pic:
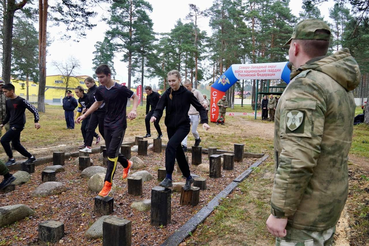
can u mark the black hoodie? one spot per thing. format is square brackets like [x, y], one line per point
[177, 107]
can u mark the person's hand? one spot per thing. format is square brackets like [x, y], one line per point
[277, 226]
[153, 119]
[1, 126]
[132, 115]
[80, 119]
[206, 126]
[37, 125]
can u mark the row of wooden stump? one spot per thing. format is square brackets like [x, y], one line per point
[117, 231]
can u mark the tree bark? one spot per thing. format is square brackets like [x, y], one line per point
[43, 5]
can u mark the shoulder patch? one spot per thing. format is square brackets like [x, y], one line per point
[294, 119]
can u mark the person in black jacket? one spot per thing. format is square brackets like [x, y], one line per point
[69, 104]
[15, 108]
[152, 100]
[264, 108]
[177, 101]
[97, 117]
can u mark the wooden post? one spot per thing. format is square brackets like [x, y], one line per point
[135, 186]
[117, 232]
[104, 205]
[102, 147]
[196, 155]
[190, 197]
[50, 231]
[82, 153]
[29, 167]
[215, 166]
[211, 151]
[160, 206]
[200, 182]
[84, 162]
[228, 161]
[142, 147]
[105, 156]
[238, 152]
[137, 139]
[126, 151]
[162, 173]
[58, 158]
[48, 175]
[157, 145]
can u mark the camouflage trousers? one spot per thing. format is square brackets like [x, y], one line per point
[307, 238]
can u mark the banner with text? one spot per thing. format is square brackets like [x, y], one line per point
[278, 70]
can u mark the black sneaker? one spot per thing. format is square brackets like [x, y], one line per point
[160, 136]
[147, 135]
[7, 182]
[166, 183]
[197, 142]
[10, 162]
[188, 184]
[30, 160]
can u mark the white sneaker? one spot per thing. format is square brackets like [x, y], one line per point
[86, 149]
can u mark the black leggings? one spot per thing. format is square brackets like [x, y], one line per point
[84, 128]
[13, 135]
[156, 123]
[97, 118]
[174, 150]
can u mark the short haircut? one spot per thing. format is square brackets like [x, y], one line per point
[103, 69]
[148, 88]
[90, 79]
[315, 48]
[175, 73]
[187, 82]
[9, 87]
[69, 91]
[80, 89]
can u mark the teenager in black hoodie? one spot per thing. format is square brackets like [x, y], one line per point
[177, 101]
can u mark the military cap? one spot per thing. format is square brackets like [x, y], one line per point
[307, 30]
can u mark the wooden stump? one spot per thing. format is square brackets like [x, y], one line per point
[50, 231]
[104, 205]
[137, 139]
[157, 145]
[135, 186]
[102, 147]
[142, 147]
[211, 151]
[200, 182]
[29, 167]
[160, 206]
[105, 157]
[228, 161]
[8, 189]
[58, 158]
[82, 153]
[126, 151]
[238, 152]
[48, 175]
[84, 162]
[117, 232]
[215, 166]
[196, 155]
[190, 197]
[162, 173]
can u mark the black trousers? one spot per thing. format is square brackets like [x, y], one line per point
[97, 118]
[174, 150]
[113, 141]
[156, 123]
[84, 128]
[264, 114]
[13, 135]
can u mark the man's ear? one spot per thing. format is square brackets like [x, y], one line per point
[296, 48]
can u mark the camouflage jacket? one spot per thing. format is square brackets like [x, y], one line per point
[2, 106]
[272, 103]
[313, 133]
[222, 106]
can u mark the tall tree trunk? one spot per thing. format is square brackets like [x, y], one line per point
[43, 5]
[142, 78]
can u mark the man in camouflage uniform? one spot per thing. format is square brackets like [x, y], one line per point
[223, 105]
[313, 134]
[272, 104]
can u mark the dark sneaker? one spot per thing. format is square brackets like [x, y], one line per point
[197, 142]
[166, 183]
[7, 182]
[30, 160]
[98, 139]
[10, 162]
[184, 148]
[147, 135]
[188, 184]
[160, 136]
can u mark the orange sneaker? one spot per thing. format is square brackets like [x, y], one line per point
[106, 189]
[127, 169]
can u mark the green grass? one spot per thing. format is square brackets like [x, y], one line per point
[360, 141]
